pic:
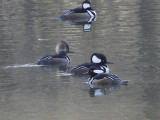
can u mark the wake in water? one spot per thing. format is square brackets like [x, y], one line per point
[23, 65]
[64, 74]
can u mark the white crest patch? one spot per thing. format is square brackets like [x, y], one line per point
[95, 59]
[86, 5]
[98, 71]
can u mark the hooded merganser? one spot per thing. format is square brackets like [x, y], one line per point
[80, 14]
[98, 76]
[62, 49]
[97, 59]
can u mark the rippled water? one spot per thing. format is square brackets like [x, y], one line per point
[127, 32]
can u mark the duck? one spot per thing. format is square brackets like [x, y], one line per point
[86, 13]
[61, 57]
[99, 77]
[96, 59]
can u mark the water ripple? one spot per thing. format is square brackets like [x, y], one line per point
[22, 65]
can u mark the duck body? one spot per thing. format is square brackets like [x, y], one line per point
[74, 14]
[98, 76]
[54, 59]
[107, 79]
[83, 69]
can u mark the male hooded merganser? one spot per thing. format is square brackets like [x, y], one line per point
[98, 76]
[97, 59]
[62, 49]
[80, 14]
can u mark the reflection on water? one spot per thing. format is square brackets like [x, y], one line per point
[86, 25]
[127, 32]
[102, 90]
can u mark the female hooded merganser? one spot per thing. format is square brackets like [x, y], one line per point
[98, 76]
[80, 14]
[97, 59]
[62, 49]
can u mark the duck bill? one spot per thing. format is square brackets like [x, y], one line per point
[70, 52]
[109, 63]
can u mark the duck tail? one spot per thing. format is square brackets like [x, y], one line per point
[124, 82]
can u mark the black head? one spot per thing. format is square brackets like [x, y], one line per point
[99, 58]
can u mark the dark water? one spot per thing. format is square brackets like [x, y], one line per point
[126, 31]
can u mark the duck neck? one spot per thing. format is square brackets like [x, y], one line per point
[62, 53]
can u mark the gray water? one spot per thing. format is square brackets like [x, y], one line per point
[126, 31]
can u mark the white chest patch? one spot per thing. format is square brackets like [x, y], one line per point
[92, 15]
[98, 71]
[68, 60]
[95, 59]
[106, 68]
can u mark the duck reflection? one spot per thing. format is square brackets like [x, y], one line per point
[97, 91]
[86, 25]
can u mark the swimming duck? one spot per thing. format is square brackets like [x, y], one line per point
[97, 59]
[62, 49]
[98, 76]
[86, 13]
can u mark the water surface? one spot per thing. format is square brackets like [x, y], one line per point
[127, 32]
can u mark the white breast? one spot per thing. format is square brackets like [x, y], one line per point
[106, 68]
